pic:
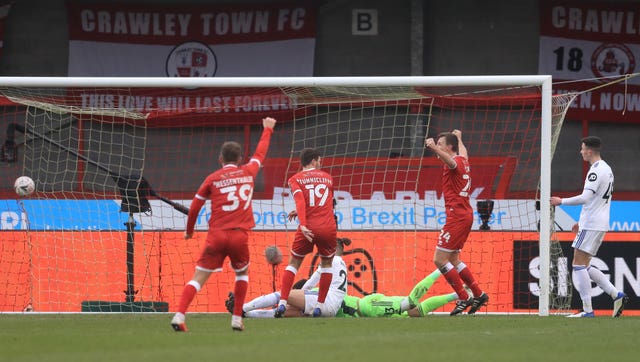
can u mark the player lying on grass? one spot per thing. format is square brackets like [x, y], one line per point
[372, 305]
[380, 305]
[301, 302]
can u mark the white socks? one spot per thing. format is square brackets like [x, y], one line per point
[263, 301]
[260, 313]
[603, 282]
[582, 283]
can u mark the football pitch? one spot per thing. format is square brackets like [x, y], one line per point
[149, 337]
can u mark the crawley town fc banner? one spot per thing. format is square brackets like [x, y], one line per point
[230, 40]
[587, 40]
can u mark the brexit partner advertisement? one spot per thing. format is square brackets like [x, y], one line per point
[426, 213]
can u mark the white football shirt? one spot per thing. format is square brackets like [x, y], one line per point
[595, 212]
[337, 289]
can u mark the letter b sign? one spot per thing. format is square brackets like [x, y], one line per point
[364, 22]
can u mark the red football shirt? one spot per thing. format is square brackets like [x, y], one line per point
[316, 187]
[456, 184]
[230, 190]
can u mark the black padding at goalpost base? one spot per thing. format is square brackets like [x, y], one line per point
[135, 307]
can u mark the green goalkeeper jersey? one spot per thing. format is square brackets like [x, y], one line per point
[372, 305]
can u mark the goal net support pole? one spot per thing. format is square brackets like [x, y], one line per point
[545, 197]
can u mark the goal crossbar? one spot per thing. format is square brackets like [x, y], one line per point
[141, 82]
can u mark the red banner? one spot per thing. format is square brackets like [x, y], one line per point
[589, 40]
[361, 177]
[182, 107]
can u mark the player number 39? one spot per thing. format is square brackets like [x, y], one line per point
[234, 195]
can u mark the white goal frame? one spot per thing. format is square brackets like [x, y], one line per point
[544, 81]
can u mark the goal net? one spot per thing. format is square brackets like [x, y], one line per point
[117, 161]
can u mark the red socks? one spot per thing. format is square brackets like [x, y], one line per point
[323, 286]
[287, 283]
[467, 277]
[453, 278]
[240, 292]
[188, 293]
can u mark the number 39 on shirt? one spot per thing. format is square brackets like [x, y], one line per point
[237, 195]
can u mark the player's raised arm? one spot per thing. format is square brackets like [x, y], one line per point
[263, 145]
[442, 154]
[462, 150]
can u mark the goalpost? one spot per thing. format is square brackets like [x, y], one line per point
[116, 162]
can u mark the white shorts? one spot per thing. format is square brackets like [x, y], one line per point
[332, 303]
[588, 241]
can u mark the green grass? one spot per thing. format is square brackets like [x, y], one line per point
[149, 337]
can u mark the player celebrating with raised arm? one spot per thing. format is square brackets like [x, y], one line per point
[312, 191]
[230, 190]
[456, 183]
[591, 228]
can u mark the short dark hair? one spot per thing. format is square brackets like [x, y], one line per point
[593, 143]
[450, 139]
[299, 284]
[307, 155]
[231, 152]
[340, 244]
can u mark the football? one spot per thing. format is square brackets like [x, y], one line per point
[273, 255]
[24, 186]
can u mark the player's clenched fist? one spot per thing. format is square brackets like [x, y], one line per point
[268, 122]
[430, 143]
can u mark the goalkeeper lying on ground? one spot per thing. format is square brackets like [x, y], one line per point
[375, 305]
[380, 305]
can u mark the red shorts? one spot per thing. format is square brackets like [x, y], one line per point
[233, 243]
[323, 239]
[455, 231]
